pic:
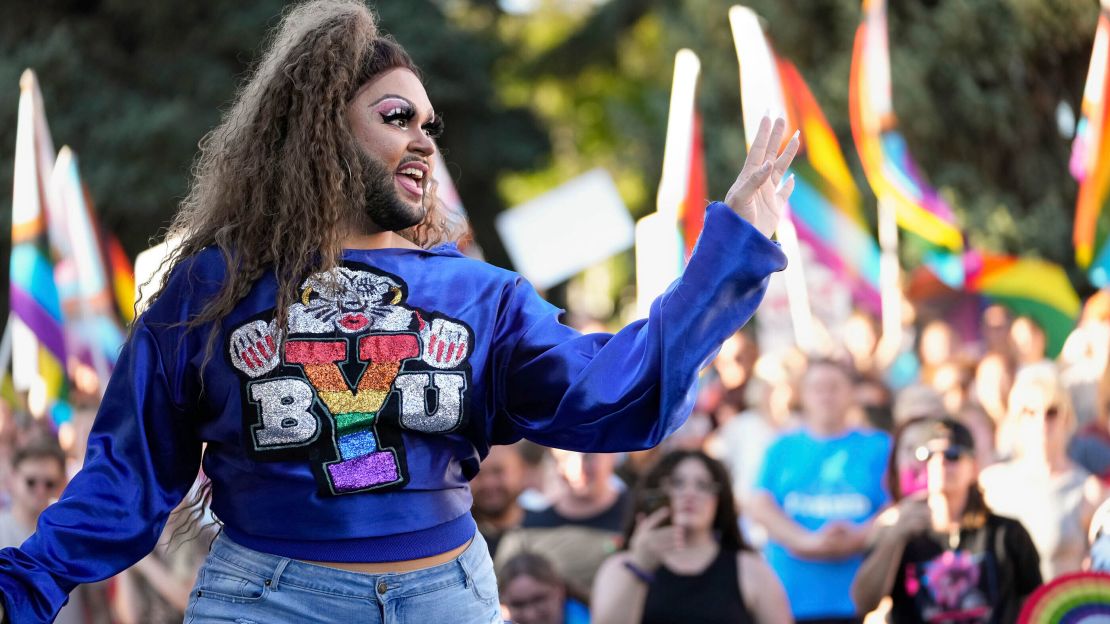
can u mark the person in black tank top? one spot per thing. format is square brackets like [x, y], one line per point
[686, 562]
[709, 597]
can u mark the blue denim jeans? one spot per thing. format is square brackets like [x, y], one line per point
[237, 585]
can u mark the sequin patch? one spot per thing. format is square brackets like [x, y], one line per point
[414, 409]
[347, 401]
[315, 351]
[375, 469]
[358, 443]
[284, 405]
[346, 423]
[388, 348]
[379, 375]
[350, 342]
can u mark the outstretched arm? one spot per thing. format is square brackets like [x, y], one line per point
[628, 391]
[143, 455]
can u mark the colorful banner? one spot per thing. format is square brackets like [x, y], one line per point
[1090, 159]
[1030, 287]
[39, 349]
[825, 207]
[692, 215]
[88, 297]
[665, 238]
[887, 163]
[122, 275]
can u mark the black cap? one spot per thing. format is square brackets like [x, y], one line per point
[957, 435]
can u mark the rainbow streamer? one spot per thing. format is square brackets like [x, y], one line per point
[87, 295]
[665, 238]
[1076, 598]
[886, 160]
[825, 207]
[39, 350]
[1030, 287]
[691, 215]
[122, 275]
[1090, 157]
[1099, 272]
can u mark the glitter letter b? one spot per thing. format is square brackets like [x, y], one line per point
[286, 420]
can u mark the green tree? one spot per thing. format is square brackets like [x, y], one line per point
[133, 85]
[976, 87]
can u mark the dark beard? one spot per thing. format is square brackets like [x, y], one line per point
[383, 206]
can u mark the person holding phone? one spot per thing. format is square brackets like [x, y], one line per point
[939, 552]
[685, 560]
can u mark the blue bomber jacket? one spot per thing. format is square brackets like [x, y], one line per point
[356, 441]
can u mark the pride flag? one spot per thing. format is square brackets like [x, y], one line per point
[1030, 287]
[825, 207]
[38, 338]
[1090, 159]
[691, 216]
[122, 275]
[665, 238]
[891, 171]
[88, 297]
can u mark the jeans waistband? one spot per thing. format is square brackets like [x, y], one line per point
[277, 571]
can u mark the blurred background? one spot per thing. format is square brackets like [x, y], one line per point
[535, 92]
[946, 303]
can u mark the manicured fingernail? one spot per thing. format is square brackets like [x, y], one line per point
[797, 134]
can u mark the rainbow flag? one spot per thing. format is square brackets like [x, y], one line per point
[1029, 287]
[666, 237]
[39, 349]
[1090, 159]
[691, 215]
[891, 171]
[1071, 598]
[825, 207]
[88, 297]
[122, 273]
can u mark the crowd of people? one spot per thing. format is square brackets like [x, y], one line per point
[807, 489]
[37, 459]
[828, 488]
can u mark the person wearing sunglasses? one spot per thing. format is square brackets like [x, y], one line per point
[1041, 486]
[940, 553]
[36, 480]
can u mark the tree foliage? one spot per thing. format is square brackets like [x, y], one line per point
[133, 85]
[531, 100]
[976, 88]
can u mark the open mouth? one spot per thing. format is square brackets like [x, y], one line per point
[410, 176]
[354, 322]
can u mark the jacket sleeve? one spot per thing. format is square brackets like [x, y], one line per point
[143, 455]
[628, 391]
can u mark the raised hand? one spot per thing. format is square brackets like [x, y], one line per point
[651, 539]
[756, 195]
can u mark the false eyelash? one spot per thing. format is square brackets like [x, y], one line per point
[434, 128]
[403, 112]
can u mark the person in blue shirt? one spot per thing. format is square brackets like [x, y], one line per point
[344, 368]
[817, 494]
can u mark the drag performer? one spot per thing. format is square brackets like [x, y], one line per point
[345, 368]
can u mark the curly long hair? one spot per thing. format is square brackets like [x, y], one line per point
[726, 523]
[278, 184]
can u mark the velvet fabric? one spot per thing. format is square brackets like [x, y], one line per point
[313, 456]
